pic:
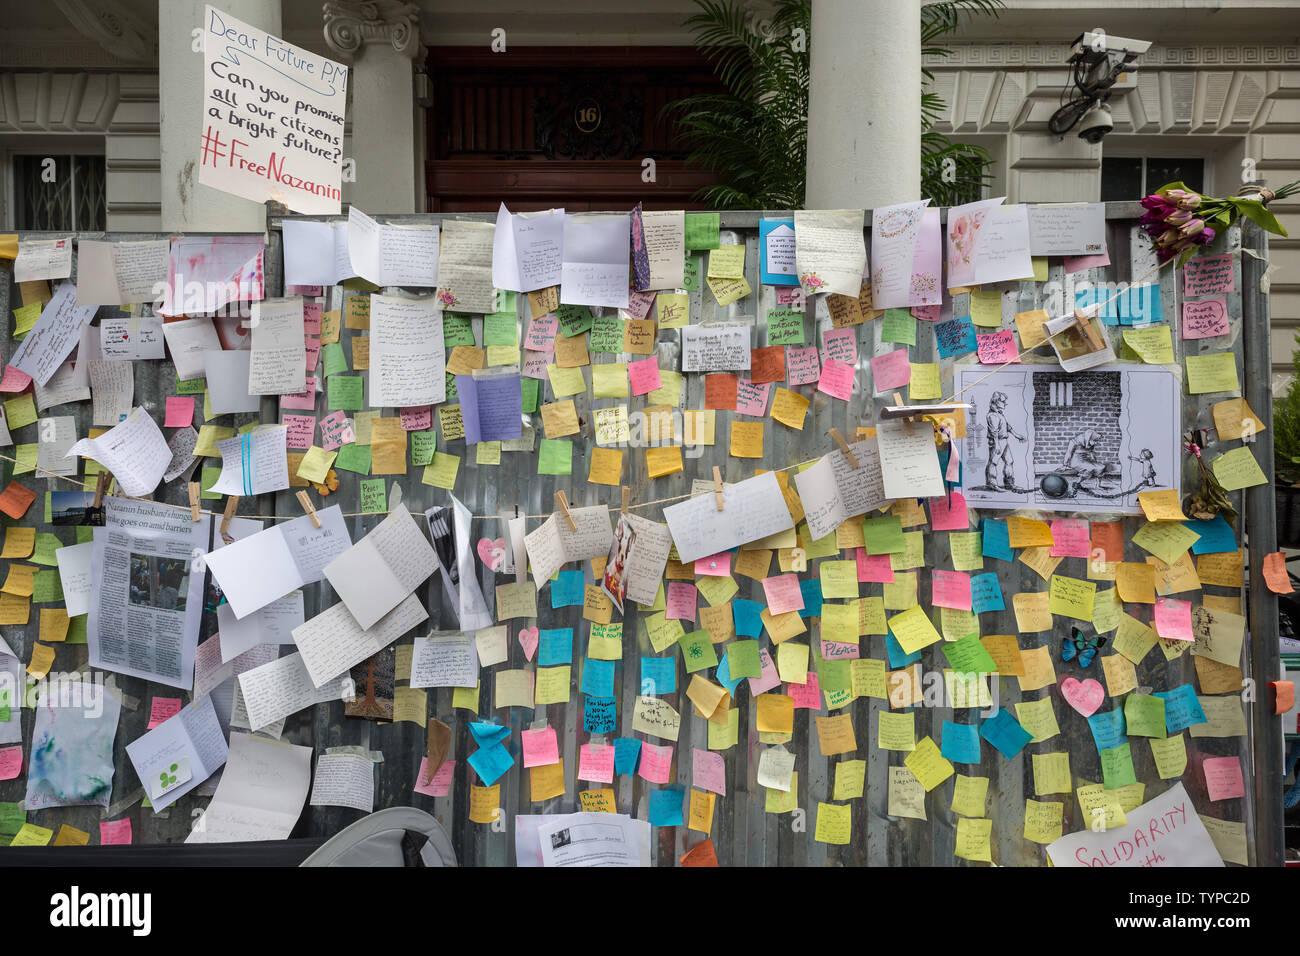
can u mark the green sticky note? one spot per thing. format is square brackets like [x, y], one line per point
[208, 413]
[833, 675]
[574, 319]
[423, 445]
[207, 479]
[607, 334]
[47, 588]
[354, 458]
[374, 496]
[531, 389]
[194, 386]
[85, 533]
[49, 508]
[702, 230]
[333, 359]
[1216, 372]
[1153, 345]
[345, 393]
[884, 535]
[1117, 767]
[968, 656]
[898, 326]
[12, 818]
[691, 273]
[697, 651]
[743, 660]
[77, 629]
[26, 458]
[507, 301]
[359, 284]
[453, 394]
[25, 318]
[785, 327]
[501, 328]
[5, 714]
[457, 330]
[1144, 715]
[555, 457]
[441, 473]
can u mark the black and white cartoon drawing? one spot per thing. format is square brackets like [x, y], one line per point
[1000, 470]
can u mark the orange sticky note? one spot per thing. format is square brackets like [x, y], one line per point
[1161, 505]
[1028, 533]
[16, 499]
[702, 854]
[1284, 695]
[1275, 574]
[1136, 582]
[1108, 538]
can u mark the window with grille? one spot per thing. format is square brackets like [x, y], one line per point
[1129, 178]
[59, 193]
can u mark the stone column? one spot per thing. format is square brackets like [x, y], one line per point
[864, 104]
[187, 206]
[379, 38]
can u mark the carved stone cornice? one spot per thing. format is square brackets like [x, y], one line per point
[115, 28]
[351, 25]
[1053, 56]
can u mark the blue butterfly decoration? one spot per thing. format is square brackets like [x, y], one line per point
[1085, 648]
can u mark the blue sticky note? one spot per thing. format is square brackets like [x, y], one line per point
[723, 675]
[996, 540]
[627, 751]
[812, 598]
[597, 677]
[555, 646]
[666, 807]
[491, 762]
[567, 590]
[745, 615]
[658, 676]
[986, 593]
[781, 242]
[961, 742]
[1108, 729]
[1005, 733]
[1182, 709]
[485, 733]
[1216, 534]
[955, 337]
[897, 658]
[599, 715]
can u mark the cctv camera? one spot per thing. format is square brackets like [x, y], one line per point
[1095, 124]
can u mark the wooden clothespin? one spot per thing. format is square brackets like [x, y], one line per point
[562, 502]
[907, 422]
[232, 502]
[1084, 321]
[844, 448]
[717, 488]
[195, 511]
[101, 486]
[627, 494]
[305, 500]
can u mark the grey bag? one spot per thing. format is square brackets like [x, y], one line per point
[376, 840]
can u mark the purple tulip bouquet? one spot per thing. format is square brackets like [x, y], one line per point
[1179, 220]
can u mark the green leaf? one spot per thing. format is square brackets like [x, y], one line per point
[1254, 210]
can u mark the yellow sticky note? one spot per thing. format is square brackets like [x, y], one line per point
[727, 262]
[209, 435]
[1238, 469]
[560, 418]
[925, 382]
[727, 291]
[1038, 717]
[484, 803]
[701, 812]
[441, 473]
[788, 408]
[1162, 505]
[1216, 372]
[1071, 597]
[20, 411]
[666, 460]
[834, 823]
[606, 466]
[19, 543]
[609, 380]
[747, 439]
[1121, 676]
[927, 764]
[986, 308]
[974, 839]
[850, 778]
[1236, 419]
[913, 630]
[1136, 583]
[1032, 614]
[29, 834]
[316, 463]
[1051, 773]
[1166, 539]
[1039, 672]
[970, 795]
[1154, 345]
[1030, 326]
[1043, 821]
[792, 662]
[566, 381]
[894, 731]
[674, 309]
[42, 660]
[1028, 532]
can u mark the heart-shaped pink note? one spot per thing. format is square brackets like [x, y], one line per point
[492, 552]
[528, 641]
[1084, 696]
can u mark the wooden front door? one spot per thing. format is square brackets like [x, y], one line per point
[572, 127]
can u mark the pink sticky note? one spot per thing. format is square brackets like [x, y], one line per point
[303, 400]
[681, 601]
[541, 333]
[440, 785]
[638, 303]
[535, 363]
[836, 380]
[416, 418]
[336, 430]
[1223, 778]
[950, 589]
[926, 313]
[949, 513]
[875, 568]
[790, 295]
[115, 832]
[891, 370]
[1208, 275]
[715, 565]
[808, 695]
[301, 431]
[840, 345]
[15, 380]
[752, 399]
[802, 365]
[768, 676]
[528, 639]
[644, 375]
[307, 290]
[708, 771]
[1173, 619]
[312, 346]
[840, 651]
[180, 411]
[783, 593]
[596, 764]
[1205, 318]
[1079, 263]
[11, 762]
[997, 348]
[161, 708]
[1071, 538]
[656, 763]
[311, 315]
[540, 747]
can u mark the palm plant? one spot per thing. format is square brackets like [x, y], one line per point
[755, 134]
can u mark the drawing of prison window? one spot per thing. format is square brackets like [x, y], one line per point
[1077, 435]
